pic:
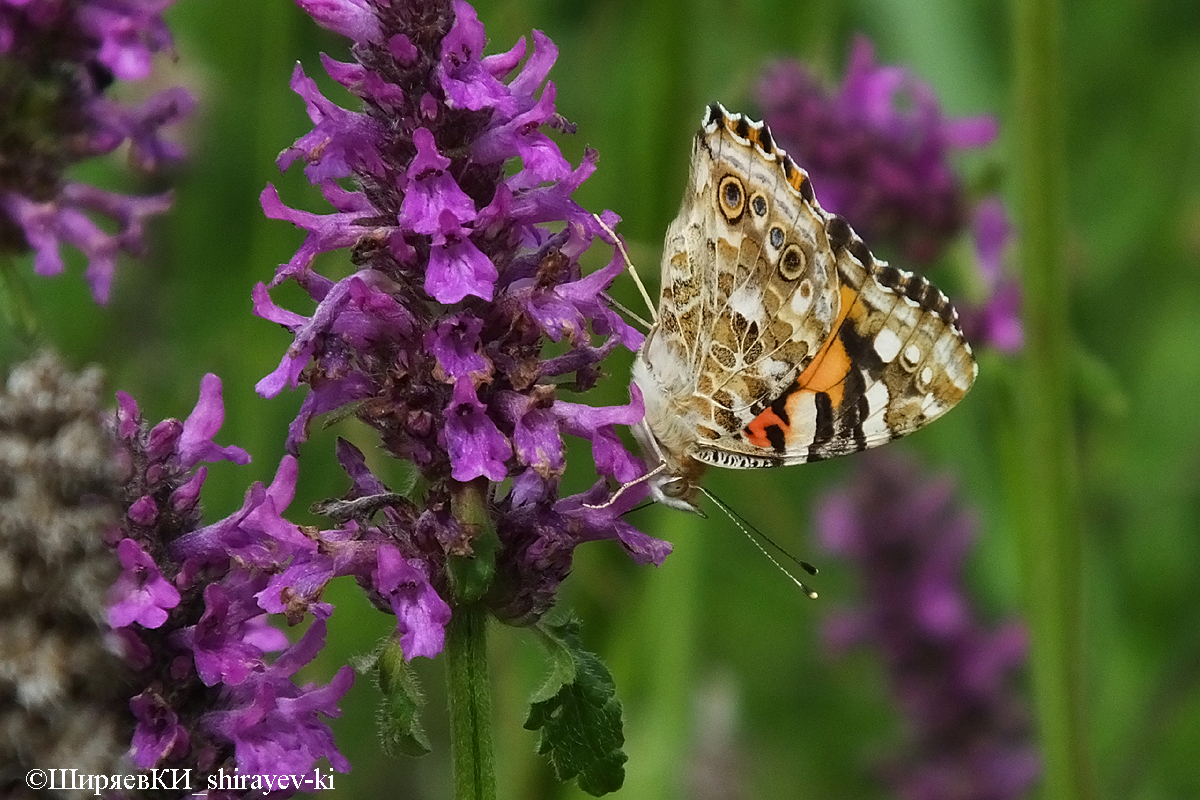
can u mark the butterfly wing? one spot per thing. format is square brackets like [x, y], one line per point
[749, 289]
[780, 339]
[896, 361]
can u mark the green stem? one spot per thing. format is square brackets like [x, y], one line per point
[470, 704]
[16, 300]
[466, 647]
[1048, 510]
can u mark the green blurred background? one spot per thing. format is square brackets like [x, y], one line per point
[717, 658]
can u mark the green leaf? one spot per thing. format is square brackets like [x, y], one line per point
[578, 713]
[400, 730]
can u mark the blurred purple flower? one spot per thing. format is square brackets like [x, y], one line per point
[465, 242]
[954, 678]
[58, 59]
[997, 321]
[878, 150]
[190, 607]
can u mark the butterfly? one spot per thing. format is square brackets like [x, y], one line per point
[779, 338]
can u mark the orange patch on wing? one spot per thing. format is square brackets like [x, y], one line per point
[829, 368]
[757, 429]
[797, 178]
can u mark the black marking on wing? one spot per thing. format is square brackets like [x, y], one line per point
[824, 429]
[779, 404]
[860, 349]
[839, 233]
[806, 191]
[859, 250]
[765, 141]
[776, 437]
[919, 290]
[715, 113]
[741, 126]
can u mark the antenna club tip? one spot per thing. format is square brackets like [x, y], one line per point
[811, 594]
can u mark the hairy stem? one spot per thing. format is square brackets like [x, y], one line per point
[470, 705]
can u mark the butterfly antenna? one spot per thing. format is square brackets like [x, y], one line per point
[620, 307]
[629, 265]
[746, 528]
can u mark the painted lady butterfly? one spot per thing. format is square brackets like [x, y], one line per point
[780, 339]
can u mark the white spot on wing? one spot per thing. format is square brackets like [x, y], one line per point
[931, 408]
[775, 369]
[800, 303]
[748, 302]
[875, 425]
[912, 354]
[887, 345]
[802, 413]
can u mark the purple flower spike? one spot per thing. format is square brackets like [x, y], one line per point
[221, 652]
[433, 202]
[474, 443]
[352, 18]
[455, 343]
[59, 58]
[458, 269]
[158, 736]
[968, 729]
[465, 79]
[192, 618]
[997, 320]
[456, 208]
[274, 724]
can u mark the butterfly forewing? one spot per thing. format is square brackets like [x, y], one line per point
[748, 275]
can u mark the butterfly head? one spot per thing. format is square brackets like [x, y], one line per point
[672, 481]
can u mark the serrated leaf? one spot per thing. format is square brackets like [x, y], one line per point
[400, 730]
[578, 714]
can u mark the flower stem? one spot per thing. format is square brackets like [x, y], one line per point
[1046, 486]
[16, 301]
[470, 704]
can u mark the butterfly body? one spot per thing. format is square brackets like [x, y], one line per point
[780, 339]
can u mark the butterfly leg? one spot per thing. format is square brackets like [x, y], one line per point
[612, 301]
[616, 240]
[621, 489]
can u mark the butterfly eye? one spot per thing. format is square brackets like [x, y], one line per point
[676, 487]
[733, 199]
[759, 204]
[792, 262]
